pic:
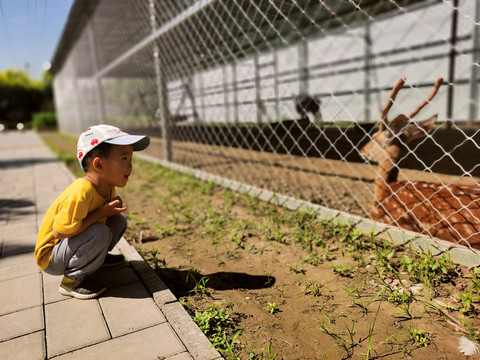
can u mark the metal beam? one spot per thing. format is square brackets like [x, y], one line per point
[192, 10]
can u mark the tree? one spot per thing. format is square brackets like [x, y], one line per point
[21, 96]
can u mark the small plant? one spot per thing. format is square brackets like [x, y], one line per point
[312, 259]
[385, 253]
[370, 333]
[132, 217]
[275, 236]
[200, 286]
[216, 324]
[465, 303]
[238, 237]
[296, 269]
[428, 269]
[355, 295]
[272, 308]
[163, 231]
[341, 270]
[312, 289]
[419, 337]
[476, 280]
[347, 343]
[267, 353]
[473, 334]
[400, 297]
[153, 257]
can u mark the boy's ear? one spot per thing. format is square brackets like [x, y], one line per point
[97, 163]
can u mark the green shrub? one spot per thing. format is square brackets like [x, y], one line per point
[44, 121]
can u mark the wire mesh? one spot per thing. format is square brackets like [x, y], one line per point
[282, 94]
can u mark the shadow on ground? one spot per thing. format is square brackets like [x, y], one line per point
[18, 163]
[186, 282]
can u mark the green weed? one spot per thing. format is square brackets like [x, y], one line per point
[216, 324]
[419, 337]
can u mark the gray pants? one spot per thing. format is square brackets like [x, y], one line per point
[83, 254]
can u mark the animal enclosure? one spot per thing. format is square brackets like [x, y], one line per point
[282, 95]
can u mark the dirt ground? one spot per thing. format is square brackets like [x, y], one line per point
[294, 286]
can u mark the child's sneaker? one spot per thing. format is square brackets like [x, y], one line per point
[113, 260]
[86, 289]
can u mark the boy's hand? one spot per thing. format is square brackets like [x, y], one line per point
[114, 207]
[119, 199]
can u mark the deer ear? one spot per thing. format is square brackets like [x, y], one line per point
[398, 124]
[419, 129]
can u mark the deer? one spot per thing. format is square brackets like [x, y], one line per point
[447, 212]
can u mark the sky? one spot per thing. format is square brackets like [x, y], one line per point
[29, 33]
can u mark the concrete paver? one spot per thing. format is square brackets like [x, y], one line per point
[20, 293]
[50, 289]
[28, 347]
[118, 276]
[138, 317]
[18, 269]
[73, 324]
[125, 314]
[156, 343]
[21, 323]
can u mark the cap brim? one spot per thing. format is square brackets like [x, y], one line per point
[139, 142]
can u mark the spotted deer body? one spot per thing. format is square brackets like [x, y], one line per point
[448, 212]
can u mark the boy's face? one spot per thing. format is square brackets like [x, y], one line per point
[117, 167]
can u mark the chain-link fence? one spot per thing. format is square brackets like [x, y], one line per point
[282, 94]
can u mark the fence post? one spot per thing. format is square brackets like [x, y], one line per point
[258, 94]
[236, 119]
[163, 111]
[303, 85]
[368, 54]
[473, 109]
[201, 92]
[226, 101]
[451, 65]
[276, 91]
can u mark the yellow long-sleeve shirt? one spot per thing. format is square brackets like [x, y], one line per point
[66, 215]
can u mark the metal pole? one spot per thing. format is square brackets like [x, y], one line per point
[236, 119]
[201, 92]
[226, 100]
[473, 110]
[303, 67]
[163, 111]
[368, 54]
[258, 94]
[451, 68]
[276, 91]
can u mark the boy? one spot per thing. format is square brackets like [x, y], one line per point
[84, 222]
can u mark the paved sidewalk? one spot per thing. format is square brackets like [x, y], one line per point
[137, 318]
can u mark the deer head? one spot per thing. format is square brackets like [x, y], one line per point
[388, 143]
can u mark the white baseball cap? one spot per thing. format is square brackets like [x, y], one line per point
[98, 134]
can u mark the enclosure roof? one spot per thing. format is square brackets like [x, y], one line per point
[204, 33]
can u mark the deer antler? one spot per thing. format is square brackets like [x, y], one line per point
[389, 103]
[437, 85]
